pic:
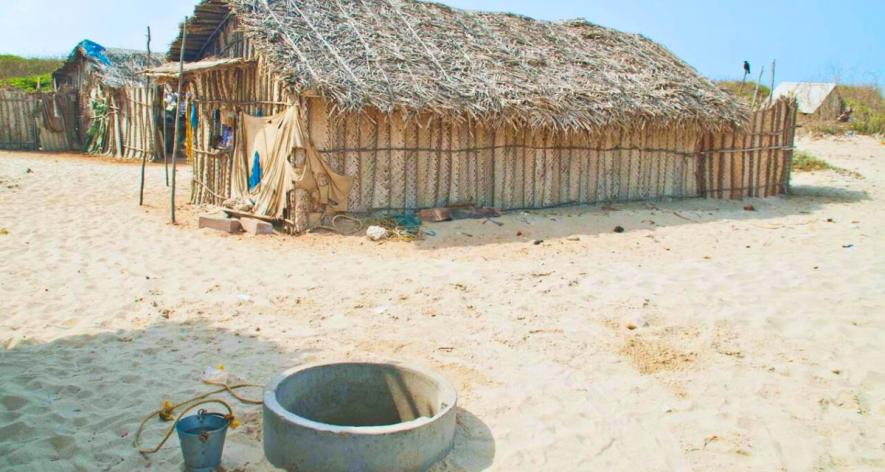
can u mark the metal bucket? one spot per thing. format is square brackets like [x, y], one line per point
[202, 440]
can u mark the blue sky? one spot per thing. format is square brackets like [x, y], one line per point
[811, 39]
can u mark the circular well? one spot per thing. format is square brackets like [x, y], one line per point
[369, 416]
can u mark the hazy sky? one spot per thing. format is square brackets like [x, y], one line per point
[811, 39]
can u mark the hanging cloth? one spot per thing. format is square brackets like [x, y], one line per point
[194, 119]
[255, 175]
[190, 131]
[272, 140]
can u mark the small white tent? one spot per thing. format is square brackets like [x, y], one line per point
[813, 98]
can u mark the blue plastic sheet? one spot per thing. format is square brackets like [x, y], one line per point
[91, 49]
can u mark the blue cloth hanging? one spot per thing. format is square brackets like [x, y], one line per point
[255, 177]
[194, 120]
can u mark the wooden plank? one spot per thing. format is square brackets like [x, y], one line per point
[788, 154]
[521, 142]
[352, 163]
[643, 160]
[368, 159]
[536, 155]
[445, 165]
[761, 180]
[657, 142]
[381, 179]
[575, 173]
[456, 171]
[516, 159]
[469, 160]
[508, 171]
[554, 162]
[500, 140]
[485, 184]
[606, 167]
[398, 168]
[593, 162]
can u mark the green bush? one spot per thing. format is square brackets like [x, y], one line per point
[29, 84]
[15, 66]
[805, 162]
[868, 108]
[745, 90]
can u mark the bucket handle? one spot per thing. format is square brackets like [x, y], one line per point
[229, 416]
[189, 407]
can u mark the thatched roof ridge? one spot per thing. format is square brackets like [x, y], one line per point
[116, 67]
[416, 56]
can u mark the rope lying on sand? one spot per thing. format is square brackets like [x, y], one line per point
[335, 228]
[167, 412]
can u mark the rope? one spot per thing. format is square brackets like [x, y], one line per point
[334, 226]
[167, 412]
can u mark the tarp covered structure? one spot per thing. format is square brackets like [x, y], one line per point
[809, 96]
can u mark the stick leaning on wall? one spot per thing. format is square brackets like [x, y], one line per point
[177, 120]
[145, 152]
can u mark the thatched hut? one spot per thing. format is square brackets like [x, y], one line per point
[117, 109]
[422, 105]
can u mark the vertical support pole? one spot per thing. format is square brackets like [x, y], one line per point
[756, 91]
[165, 132]
[771, 90]
[177, 120]
[145, 152]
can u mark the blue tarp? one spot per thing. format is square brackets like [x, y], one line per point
[91, 49]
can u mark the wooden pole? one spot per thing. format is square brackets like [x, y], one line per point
[165, 153]
[771, 90]
[177, 118]
[145, 152]
[756, 91]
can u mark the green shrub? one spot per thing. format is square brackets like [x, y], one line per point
[868, 108]
[745, 90]
[29, 84]
[15, 66]
[805, 162]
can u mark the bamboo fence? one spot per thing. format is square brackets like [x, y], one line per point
[429, 161]
[22, 124]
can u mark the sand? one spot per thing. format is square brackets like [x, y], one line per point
[705, 337]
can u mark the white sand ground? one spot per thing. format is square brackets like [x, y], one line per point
[759, 340]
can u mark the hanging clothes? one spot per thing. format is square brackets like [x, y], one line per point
[190, 131]
[268, 143]
[194, 120]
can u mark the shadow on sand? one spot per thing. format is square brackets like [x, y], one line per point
[74, 403]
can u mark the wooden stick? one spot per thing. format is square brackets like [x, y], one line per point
[756, 91]
[144, 153]
[177, 120]
[165, 154]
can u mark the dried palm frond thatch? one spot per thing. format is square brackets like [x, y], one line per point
[424, 57]
[115, 67]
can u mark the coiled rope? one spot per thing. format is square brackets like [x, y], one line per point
[167, 412]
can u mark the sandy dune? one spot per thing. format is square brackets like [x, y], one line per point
[757, 340]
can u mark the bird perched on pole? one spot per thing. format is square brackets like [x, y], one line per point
[746, 73]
